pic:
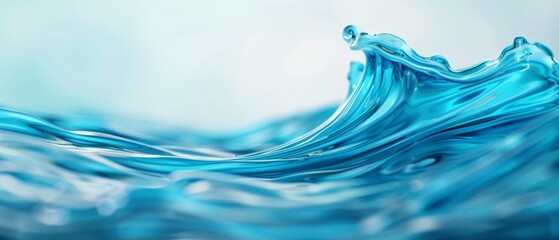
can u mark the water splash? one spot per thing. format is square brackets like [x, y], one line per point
[417, 150]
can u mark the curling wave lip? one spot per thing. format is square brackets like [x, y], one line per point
[417, 150]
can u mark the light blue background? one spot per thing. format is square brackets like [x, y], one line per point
[221, 65]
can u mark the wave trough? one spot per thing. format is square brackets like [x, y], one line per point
[417, 150]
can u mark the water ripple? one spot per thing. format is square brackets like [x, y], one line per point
[417, 150]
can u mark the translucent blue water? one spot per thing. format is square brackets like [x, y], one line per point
[416, 151]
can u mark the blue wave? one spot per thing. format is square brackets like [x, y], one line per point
[417, 150]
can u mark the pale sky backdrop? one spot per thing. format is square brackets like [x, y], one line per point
[225, 65]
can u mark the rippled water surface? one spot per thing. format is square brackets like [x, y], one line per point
[416, 151]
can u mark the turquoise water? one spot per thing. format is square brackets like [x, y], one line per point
[416, 151]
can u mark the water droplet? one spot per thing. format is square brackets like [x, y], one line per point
[352, 33]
